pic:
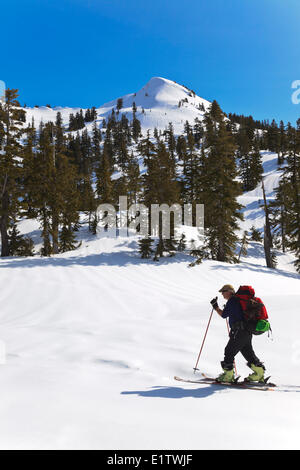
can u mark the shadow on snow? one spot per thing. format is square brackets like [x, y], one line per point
[174, 392]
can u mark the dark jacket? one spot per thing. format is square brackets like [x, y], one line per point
[233, 310]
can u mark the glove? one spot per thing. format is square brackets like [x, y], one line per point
[214, 303]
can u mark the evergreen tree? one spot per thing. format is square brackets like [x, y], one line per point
[198, 132]
[145, 249]
[160, 181]
[182, 243]
[242, 140]
[96, 145]
[56, 196]
[170, 139]
[104, 183]
[69, 215]
[273, 137]
[77, 122]
[119, 104]
[133, 180]
[160, 249]
[29, 175]
[200, 253]
[71, 122]
[90, 115]
[279, 212]
[220, 188]
[181, 150]
[161, 187]
[291, 199]
[256, 165]
[135, 125]
[192, 191]
[19, 245]
[251, 168]
[11, 119]
[15, 240]
[282, 143]
[255, 234]
[171, 245]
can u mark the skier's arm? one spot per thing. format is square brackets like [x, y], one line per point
[219, 311]
[215, 306]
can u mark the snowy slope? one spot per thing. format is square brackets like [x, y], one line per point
[253, 200]
[94, 337]
[159, 99]
[91, 339]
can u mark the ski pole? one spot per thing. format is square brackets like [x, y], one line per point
[195, 368]
[228, 335]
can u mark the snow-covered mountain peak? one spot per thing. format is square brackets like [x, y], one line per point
[163, 91]
[159, 102]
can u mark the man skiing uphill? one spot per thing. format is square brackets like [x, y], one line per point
[240, 338]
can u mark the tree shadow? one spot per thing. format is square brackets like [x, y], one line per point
[258, 269]
[255, 209]
[175, 392]
[120, 258]
[270, 165]
[255, 250]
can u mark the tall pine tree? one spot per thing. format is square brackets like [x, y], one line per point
[11, 119]
[220, 187]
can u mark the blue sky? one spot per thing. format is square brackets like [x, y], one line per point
[243, 53]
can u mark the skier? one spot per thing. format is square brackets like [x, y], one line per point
[240, 339]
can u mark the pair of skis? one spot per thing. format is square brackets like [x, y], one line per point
[263, 386]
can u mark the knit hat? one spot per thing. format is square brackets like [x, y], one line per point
[227, 287]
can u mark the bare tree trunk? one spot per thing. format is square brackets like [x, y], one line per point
[267, 248]
[282, 229]
[268, 244]
[267, 215]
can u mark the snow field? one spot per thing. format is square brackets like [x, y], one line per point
[94, 337]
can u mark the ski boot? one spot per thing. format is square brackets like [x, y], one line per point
[227, 375]
[258, 373]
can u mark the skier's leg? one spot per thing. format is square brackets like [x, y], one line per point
[237, 341]
[248, 352]
[253, 361]
[232, 348]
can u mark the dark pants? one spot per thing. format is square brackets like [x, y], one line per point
[240, 340]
